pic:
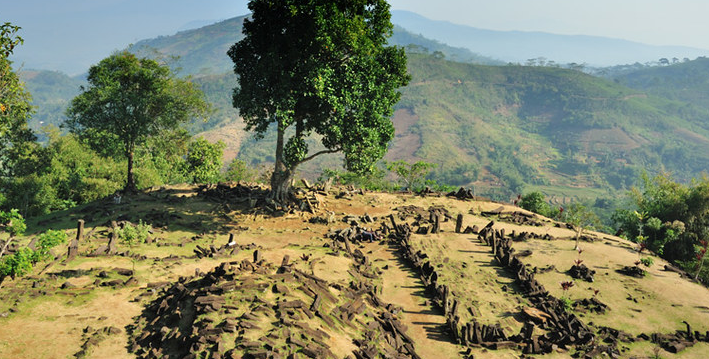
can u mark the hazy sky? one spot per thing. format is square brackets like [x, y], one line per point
[654, 22]
[71, 35]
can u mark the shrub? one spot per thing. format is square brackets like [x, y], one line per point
[13, 222]
[535, 202]
[48, 240]
[412, 176]
[132, 234]
[204, 160]
[17, 264]
[372, 181]
[566, 303]
[239, 171]
[21, 262]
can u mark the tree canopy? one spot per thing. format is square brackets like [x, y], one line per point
[323, 67]
[670, 218]
[204, 160]
[130, 99]
[16, 139]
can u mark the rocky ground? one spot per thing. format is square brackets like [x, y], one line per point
[226, 274]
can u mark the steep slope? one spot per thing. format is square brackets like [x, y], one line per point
[200, 51]
[203, 50]
[544, 126]
[51, 93]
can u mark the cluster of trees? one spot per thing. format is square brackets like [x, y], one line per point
[664, 216]
[609, 71]
[670, 219]
[68, 172]
[390, 176]
[338, 79]
[15, 107]
[129, 116]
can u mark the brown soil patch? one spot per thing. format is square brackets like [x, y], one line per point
[405, 143]
[426, 325]
[53, 328]
[692, 136]
[604, 140]
[231, 134]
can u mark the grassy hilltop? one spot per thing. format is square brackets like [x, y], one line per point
[188, 288]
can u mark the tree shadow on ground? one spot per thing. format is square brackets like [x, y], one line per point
[436, 331]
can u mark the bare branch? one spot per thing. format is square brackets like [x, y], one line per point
[318, 154]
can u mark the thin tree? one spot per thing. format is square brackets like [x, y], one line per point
[581, 218]
[323, 67]
[130, 99]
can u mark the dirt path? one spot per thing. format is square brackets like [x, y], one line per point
[401, 286]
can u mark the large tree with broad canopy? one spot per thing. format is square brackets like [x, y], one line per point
[130, 99]
[319, 67]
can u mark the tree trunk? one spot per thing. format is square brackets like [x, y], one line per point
[579, 230]
[281, 177]
[5, 247]
[699, 271]
[130, 182]
[281, 187]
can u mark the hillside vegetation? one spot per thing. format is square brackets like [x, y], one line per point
[502, 129]
[686, 81]
[546, 126]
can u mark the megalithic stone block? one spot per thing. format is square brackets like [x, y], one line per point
[111, 243]
[459, 223]
[393, 223]
[74, 245]
[477, 333]
[436, 223]
[80, 230]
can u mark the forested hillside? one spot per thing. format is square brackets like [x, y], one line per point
[51, 92]
[547, 126]
[502, 129]
[686, 81]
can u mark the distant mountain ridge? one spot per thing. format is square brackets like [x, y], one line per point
[519, 46]
[202, 51]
